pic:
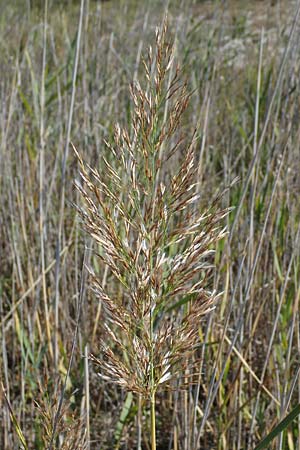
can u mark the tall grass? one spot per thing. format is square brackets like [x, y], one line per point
[244, 102]
[152, 236]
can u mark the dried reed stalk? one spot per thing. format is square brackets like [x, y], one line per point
[151, 235]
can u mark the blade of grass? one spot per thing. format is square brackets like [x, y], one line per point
[279, 428]
[15, 421]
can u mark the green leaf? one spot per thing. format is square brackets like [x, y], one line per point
[279, 428]
[25, 103]
[181, 302]
[123, 418]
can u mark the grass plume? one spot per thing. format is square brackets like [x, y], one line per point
[152, 234]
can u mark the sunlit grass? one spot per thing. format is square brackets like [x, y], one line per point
[244, 104]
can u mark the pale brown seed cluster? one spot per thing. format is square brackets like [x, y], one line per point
[152, 235]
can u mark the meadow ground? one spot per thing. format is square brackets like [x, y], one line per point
[65, 76]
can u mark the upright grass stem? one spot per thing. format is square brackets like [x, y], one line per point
[152, 388]
[153, 421]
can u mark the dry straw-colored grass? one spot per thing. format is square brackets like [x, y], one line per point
[66, 70]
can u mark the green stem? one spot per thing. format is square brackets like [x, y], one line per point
[153, 424]
[152, 386]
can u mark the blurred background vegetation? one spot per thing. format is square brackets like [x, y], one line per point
[241, 60]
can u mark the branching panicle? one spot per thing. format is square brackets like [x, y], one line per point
[151, 235]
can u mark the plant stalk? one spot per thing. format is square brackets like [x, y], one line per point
[153, 424]
[153, 388]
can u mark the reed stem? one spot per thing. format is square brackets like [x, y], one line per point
[153, 423]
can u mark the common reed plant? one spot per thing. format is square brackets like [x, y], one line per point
[245, 102]
[154, 236]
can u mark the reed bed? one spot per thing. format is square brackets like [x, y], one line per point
[151, 212]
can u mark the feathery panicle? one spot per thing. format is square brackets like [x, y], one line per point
[151, 235]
